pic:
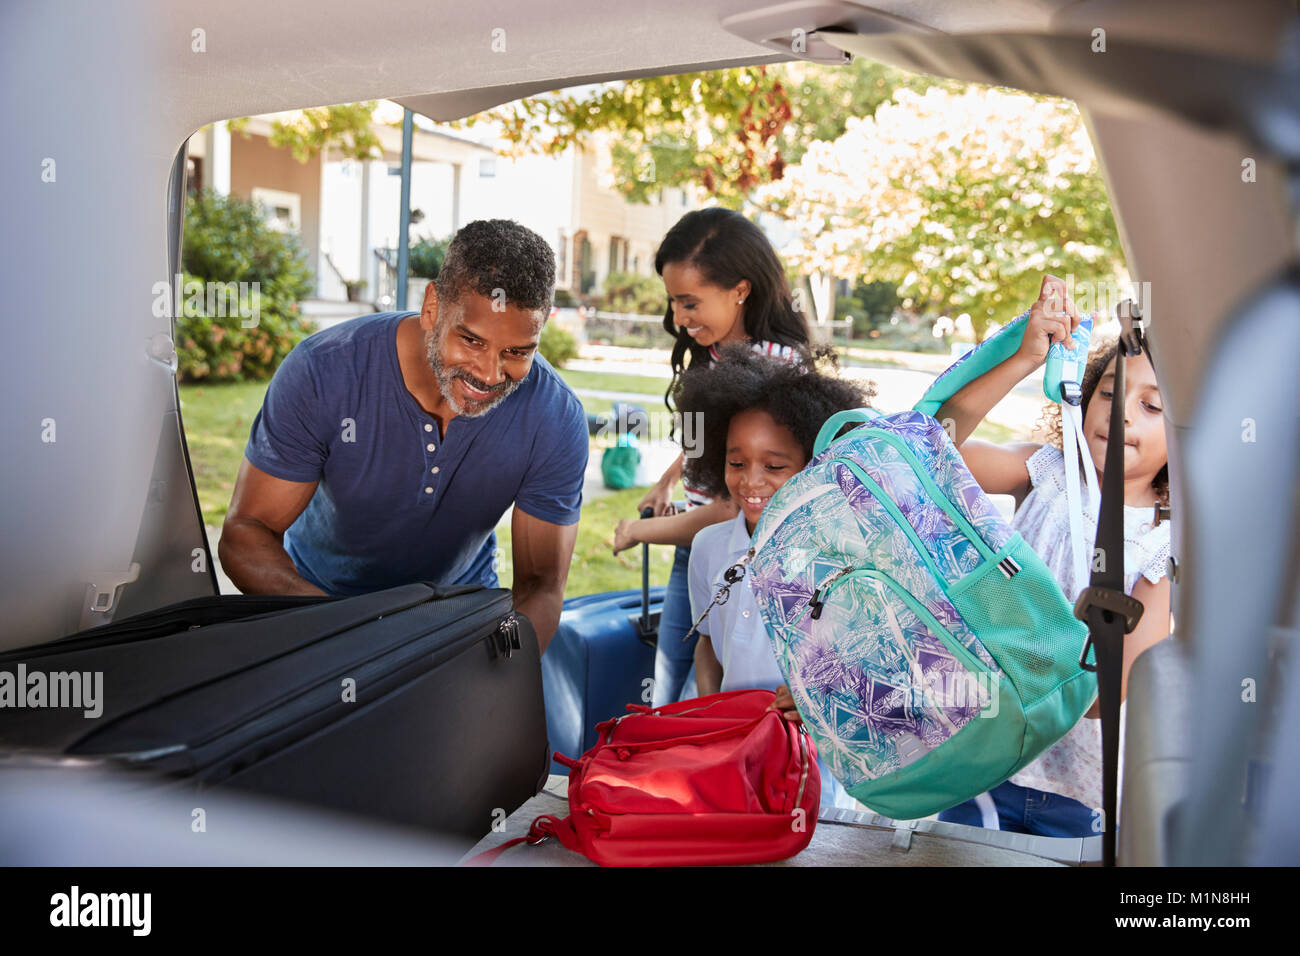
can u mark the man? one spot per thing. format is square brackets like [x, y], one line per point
[388, 447]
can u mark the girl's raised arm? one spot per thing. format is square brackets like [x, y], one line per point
[1000, 469]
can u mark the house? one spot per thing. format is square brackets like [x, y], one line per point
[346, 211]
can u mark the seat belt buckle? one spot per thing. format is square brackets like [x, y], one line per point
[1111, 600]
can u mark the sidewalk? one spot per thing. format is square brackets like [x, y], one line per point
[897, 389]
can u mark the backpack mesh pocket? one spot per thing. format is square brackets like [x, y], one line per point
[1024, 621]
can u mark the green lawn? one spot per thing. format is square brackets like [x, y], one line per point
[613, 382]
[998, 434]
[217, 419]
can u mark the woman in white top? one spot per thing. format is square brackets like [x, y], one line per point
[1059, 793]
[725, 284]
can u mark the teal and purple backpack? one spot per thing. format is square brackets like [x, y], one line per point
[930, 651]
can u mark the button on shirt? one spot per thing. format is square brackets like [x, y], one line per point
[397, 501]
[735, 629]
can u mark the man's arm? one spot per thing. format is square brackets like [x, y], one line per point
[252, 537]
[541, 553]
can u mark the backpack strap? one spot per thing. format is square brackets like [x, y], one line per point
[832, 425]
[990, 353]
[1062, 377]
[1108, 610]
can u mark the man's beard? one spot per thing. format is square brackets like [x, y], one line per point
[447, 378]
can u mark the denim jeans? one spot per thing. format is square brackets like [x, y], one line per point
[1024, 810]
[675, 659]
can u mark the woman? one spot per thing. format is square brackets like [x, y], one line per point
[724, 284]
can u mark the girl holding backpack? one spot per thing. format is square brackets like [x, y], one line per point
[725, 285]
[1056, 794]
[761, 419]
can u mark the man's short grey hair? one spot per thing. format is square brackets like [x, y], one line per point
[491, 254]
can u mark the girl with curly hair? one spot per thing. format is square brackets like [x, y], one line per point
[761, 419]
[760, 423]
[1057, 794]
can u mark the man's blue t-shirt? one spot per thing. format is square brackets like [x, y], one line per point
[397, 501]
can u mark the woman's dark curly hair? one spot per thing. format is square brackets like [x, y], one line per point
[799, 397]
[1100, 356]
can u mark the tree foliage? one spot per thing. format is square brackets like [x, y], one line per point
[725, 132]
[963, 200]
[306, 133]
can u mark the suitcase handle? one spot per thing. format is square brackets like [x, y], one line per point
[645, 578]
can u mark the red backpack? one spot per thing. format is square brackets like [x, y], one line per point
[722, 779]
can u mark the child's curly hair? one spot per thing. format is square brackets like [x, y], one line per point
[798, 396]
[1099, 357]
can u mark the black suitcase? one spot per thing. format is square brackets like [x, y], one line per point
[445, 729]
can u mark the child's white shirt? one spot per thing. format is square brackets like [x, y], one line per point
[1072, 766]
[735, 629]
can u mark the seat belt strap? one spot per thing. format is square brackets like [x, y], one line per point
[1104, 605]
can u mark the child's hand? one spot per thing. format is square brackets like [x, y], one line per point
[623, 538]
[1051, 319]
[658, 498]
[785, 704]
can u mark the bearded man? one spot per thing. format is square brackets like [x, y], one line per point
[388, 447]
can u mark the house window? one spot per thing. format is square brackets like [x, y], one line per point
[586, 268]
[562, 260]
[281, 210]
[487, 167]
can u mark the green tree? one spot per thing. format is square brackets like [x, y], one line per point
[306, 133]
[870, 304]
[961, 200]
[726, 132]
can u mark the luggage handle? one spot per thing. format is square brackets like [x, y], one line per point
[646, 631]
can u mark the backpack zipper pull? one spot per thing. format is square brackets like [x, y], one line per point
[815, 602]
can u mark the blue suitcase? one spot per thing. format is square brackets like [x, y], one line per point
[601, 659]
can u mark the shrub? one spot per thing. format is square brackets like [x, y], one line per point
[557, 346]
[427, 257]
[228, 242]
[871, 304]
[212, 347]
[634, 294]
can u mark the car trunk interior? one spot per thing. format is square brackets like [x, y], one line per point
[104, 522]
